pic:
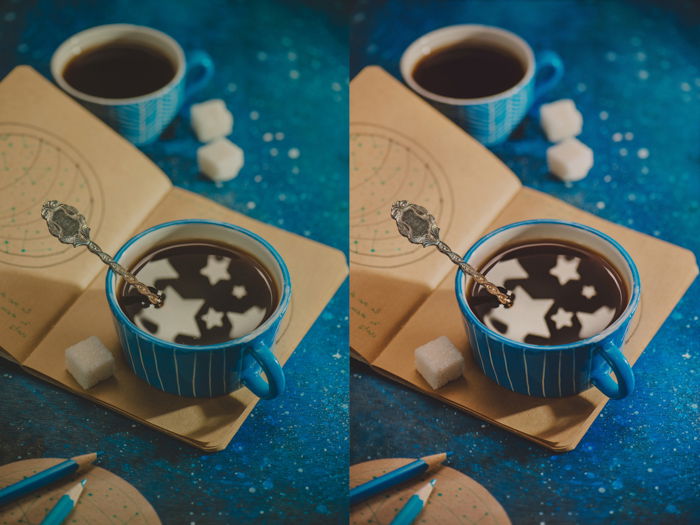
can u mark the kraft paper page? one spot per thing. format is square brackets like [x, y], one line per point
[316, 271]
[52, 148]
[666, 272]
[402, 149]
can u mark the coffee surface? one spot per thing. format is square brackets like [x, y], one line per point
[563, 293]
[119, 70]
[213, 293]
[468, 70]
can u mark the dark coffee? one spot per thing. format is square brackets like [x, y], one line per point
[563, 293]
[119, 70]
[468, 70]
[213, 293]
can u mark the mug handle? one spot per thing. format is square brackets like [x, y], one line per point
[548, 73]
[200, 70]
[275, 383]
[610, 353]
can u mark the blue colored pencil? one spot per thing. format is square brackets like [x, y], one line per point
[46, 477]
[393, 478]
[414, 505]
[64, 506]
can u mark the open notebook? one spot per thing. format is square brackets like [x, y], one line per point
[52, 295]
[402, 295]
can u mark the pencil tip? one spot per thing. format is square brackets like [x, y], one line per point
[83, 482]
[449, 453]
[432, 482]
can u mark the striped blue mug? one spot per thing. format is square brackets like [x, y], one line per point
[208, 370]
[140, 119]
[489, 119]
[556, 370]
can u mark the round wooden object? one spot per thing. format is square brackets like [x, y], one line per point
[456, 498]
[107, 499]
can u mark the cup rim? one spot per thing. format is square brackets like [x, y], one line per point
[282, 305]
[57, 69]
[406, 66]
[626, 314]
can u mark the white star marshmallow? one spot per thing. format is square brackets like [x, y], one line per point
[239, 292]
[213, 318]
[566, 270]
[246, 322]
[525, 317]
[156, 270]
[176, 317]
[506, 270]
[588, 291]
[596, 322]
[216, 269]
[562, 318]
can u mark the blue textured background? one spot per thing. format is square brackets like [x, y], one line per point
[282, 69]
[633, 69]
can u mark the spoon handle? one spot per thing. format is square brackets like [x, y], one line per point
[154, 298]
[503, 298]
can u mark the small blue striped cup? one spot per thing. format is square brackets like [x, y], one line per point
[557, 370]
[491, 119]
[211, 370]
[141, 119]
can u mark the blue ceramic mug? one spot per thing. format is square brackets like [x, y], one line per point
[211, 370]
[491, 119]
[140, 119]
[557, 370]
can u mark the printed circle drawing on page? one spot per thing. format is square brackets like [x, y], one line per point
[36, 166]
[386, 166]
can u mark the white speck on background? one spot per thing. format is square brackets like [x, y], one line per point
[611, 56]
[292, 56]
[336, 355]
[623, 152]
[250, 205]
[262, 56]
[274, 152]
[644, 170]
[601, 490]
[629, 135]
[251, 490]
[258, 178]
[282, 197]
[358, 17]
[687, 356]
[231, 87]
[641, 56]
[293, 74]
[23, 48]
[279, 136]
[643, 74]
[372, 48]
[603, 115]
[643, 153]
[293, 153]
[600, 205]
[617, 137]
[631, 197]
[335, 86]
[267, 137]
[254, 115]
[685, 86]
[9, 17]
[581, 87]
[295, 170]
[607, 178]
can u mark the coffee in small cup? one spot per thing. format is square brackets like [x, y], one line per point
[468, 69]
[119, 69]
[213, 293]
[563, 292]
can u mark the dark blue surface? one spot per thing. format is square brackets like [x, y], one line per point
[282, 69]
[633, 69]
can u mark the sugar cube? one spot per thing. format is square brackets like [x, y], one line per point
[570, 159]
[560, 120]
[439, 362]
[211, 120]
[220, 160]
[89, 362]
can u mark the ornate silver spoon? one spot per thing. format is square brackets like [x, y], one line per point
[69, 226]
[419, 227]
